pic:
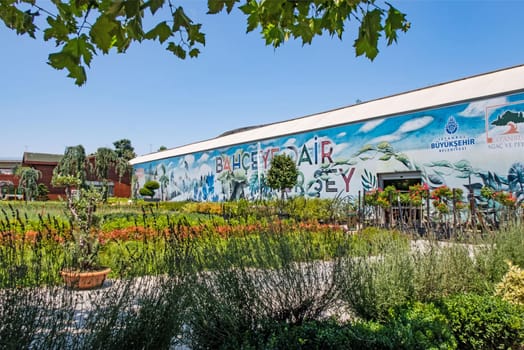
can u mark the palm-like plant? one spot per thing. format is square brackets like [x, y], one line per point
[73, 163]
[105, 158]
[28, 181]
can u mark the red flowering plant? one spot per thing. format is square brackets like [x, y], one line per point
[441, 197]
[417, 193]
[506, 199]
[371, 196]
[380, 198]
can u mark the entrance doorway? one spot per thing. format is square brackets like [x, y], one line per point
[400, 180]
[401, 213]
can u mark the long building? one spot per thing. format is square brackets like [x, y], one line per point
[466, 133]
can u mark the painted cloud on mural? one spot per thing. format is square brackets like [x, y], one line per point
[477, 109]
[367, 127]
[406, 127]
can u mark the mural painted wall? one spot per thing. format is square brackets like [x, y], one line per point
[463, 145]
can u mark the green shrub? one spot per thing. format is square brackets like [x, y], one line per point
[318, 335]
[415, 326]
[511, 288]
[420, 326]
[441, 270]
[373, 285]
[484, 322]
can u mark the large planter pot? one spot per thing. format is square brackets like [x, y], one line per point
[82, 280]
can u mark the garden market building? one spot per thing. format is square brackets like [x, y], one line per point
[465, 133]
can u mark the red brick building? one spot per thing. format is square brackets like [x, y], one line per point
[8, 180]
[46, 163]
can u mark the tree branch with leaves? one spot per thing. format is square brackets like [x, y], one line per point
[82, 29]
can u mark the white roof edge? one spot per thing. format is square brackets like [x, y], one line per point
[474, 87]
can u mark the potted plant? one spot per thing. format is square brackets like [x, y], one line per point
[82, 270]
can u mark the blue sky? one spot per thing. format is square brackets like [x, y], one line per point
[152, 98]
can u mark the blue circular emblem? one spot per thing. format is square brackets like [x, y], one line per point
[451, 126]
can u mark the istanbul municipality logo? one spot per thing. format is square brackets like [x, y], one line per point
[451, 126]
[452, 142]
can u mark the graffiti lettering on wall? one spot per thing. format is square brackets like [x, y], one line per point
[322, 151]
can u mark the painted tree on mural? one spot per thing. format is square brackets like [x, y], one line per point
[164, 182]
[84, 28]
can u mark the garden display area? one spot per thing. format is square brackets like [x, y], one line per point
[240, 276]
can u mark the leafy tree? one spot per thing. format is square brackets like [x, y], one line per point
[105, 158]
[149, 188]
[73, 163]
[124, 152]
[282, 173]
[84, 28]
[162, 148]
[124, 149]
[42, 192]
[28, 181]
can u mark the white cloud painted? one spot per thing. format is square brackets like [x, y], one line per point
[367, 127]
[478, 109]
[342, 134]
[205, 169]
[414, 124]
[406, 127]
[290, 142]
[190, 159]
[339, 147]
[204, 158]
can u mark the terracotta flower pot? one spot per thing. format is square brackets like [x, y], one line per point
[82, 280]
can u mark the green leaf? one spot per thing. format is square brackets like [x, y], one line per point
[194, 53]
[57, 29]
[85, 49]
[65, 60]
[180, 19]
[115, 9]
[134, 29]
[71, 56]
[132, 8]
[162, 31]
[395, 21]
[368, 34]
[177, 50]
[230, 4]
[215, 6]
[154, 5]
[252, 22]
[60, 60]
[102, 33]
[249, 7]
[21, 21]
[195, 35]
